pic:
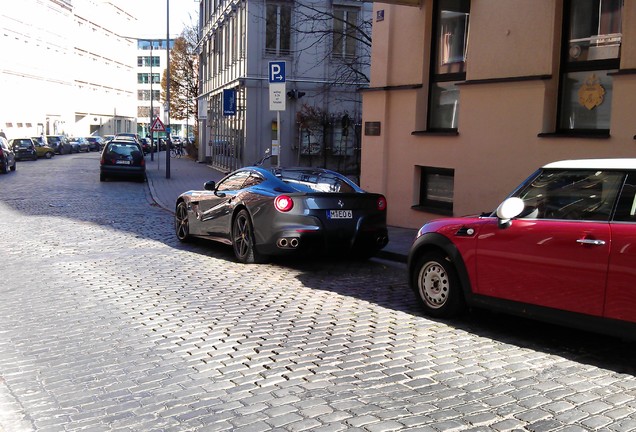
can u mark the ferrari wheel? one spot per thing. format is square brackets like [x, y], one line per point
[437, 286]
[243, 238]
[181, 225]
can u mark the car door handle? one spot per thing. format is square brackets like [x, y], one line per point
[591, 242]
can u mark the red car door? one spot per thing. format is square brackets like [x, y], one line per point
[555, 254]
[550, 263]
[620, 302]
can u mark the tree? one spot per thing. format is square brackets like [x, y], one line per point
[184, 78]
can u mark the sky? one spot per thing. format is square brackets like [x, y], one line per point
[152, 15]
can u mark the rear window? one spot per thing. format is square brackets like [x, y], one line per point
[315, 181]
[23, 143]
[124, 150]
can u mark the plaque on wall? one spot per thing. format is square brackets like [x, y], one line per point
[372, 128]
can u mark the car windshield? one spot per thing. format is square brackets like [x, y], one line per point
[315, 181]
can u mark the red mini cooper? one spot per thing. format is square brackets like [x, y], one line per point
[561, 248]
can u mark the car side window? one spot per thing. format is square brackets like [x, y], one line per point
[626, 208]
[252, 180]
[571, 195]
[233, 182]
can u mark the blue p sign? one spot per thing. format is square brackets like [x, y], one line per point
[277, 72]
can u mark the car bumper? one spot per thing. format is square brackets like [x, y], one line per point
[361, 239]
[122, 171]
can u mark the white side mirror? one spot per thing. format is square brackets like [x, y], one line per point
[510, 208]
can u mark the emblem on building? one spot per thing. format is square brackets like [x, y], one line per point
[591, 93]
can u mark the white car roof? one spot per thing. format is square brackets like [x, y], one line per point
[617, 163]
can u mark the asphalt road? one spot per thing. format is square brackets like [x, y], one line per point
[108, 323]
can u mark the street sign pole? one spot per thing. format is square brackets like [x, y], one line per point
[157, 126]
[278, 138]
[277, 93]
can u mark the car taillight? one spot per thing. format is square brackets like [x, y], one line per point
[283, 203]
[381, 203]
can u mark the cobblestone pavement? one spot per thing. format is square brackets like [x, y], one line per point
[107, 323]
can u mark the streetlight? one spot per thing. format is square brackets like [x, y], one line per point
[169, 132]
[152, 110]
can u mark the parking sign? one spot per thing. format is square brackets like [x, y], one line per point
[276, 72]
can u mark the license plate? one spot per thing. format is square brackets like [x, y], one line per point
[123, 162]
[340, 214]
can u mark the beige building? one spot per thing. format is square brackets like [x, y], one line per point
[467, 98]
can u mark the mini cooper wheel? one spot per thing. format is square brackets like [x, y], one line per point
[437, 286]
[48, 155]
[243, 238]
[181, 224]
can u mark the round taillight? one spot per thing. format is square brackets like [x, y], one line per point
[381, 203]
[283, 203]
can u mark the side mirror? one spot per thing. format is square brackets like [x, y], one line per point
[209, 185]
[508, 210]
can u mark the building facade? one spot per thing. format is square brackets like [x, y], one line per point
[315, 119]
[462, 107]
[66, 68]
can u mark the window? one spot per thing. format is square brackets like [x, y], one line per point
[449, 66]
[148, 61]
[436, 189]
[278, 29]
[144, 78]
[572, 195]
[234, 182]
[345, 23]
[591, 51]
[626, 209]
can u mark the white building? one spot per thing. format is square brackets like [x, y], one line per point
[151, 63]
[66, 68]
[315, 39]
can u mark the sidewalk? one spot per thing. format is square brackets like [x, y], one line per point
[187, 174]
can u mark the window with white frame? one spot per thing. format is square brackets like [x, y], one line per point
[345, 24]
[591, 52]
[278, 28]
[449, 63]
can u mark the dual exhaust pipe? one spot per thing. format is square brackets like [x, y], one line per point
[288, 242]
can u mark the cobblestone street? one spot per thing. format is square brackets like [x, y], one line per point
[108, 323]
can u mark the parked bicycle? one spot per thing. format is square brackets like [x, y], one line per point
[176, 150]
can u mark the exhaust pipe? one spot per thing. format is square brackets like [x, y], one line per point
[285, 243]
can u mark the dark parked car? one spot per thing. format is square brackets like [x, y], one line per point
[24, 149]
[123, 159]
[79, 144]
[263, 212]
[95, 143]
[560, 248]
[7, 157]
[135, 136]
[145, 145]
[60, 144]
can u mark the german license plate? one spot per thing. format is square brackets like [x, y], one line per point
[340, 214]
[123, 162]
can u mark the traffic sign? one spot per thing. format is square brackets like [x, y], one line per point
[157, 126]
[276, 72]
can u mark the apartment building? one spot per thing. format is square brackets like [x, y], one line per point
[315, 118]
[468, 97]
[66, 69]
